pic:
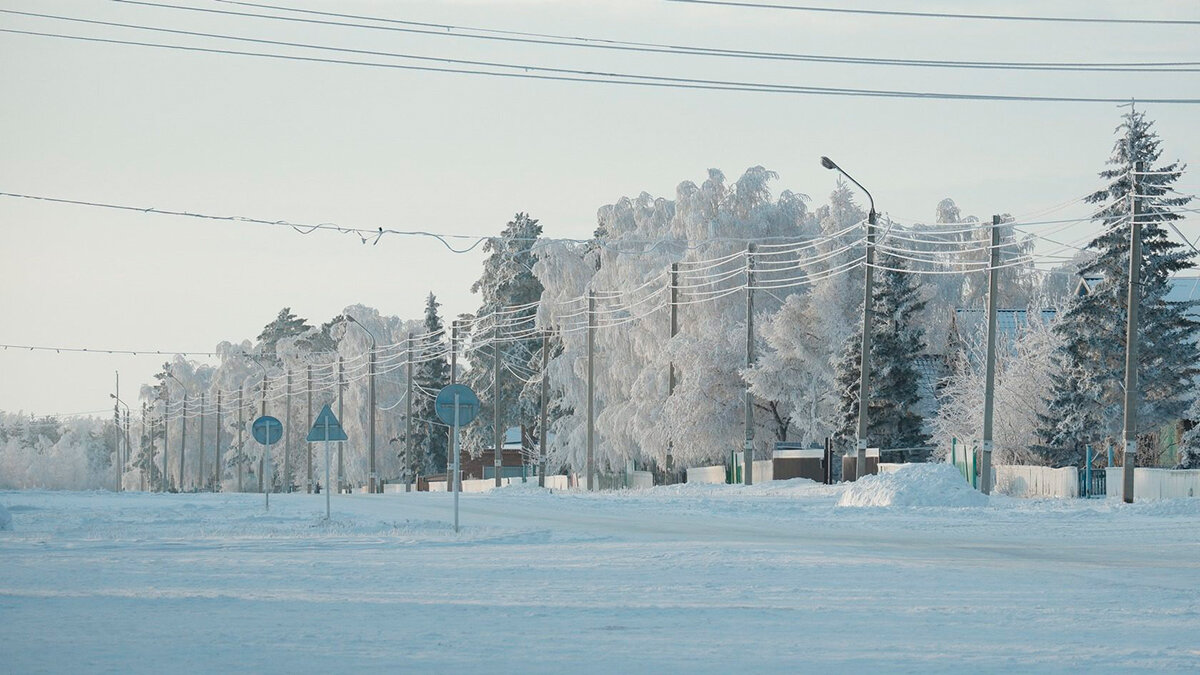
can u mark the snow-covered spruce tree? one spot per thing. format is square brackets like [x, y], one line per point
[1189, 443]
[507, 282]
[431, 375]
[1086, 405]
[283, 326]
[897, 338]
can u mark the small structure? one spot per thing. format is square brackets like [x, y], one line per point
[791, 460]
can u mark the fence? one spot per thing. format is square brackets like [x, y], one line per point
[1155, 483]
[1037, 481]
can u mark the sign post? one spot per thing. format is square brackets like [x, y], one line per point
[326, 428]
[456, 405]
[267, 430]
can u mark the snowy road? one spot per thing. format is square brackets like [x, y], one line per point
[683, 578]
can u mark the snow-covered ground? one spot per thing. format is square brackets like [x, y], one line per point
[702, 578]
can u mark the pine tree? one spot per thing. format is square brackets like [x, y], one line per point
[431, 438]
[897, 338]
[1189, 443]
[507, 282]
[1087, 404]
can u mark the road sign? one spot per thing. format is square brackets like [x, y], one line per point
[267, 430]
[326, 428]
[468, 404]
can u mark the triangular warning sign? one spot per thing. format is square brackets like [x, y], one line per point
[326, 427]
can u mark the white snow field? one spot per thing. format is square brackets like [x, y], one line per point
[702, 578]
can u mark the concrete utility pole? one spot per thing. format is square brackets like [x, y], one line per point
[128, 444]
[409, 464]
[1133, 305]
[497, 437]
[453, 380]
[748, 448]
[341, 466]
[217, 448]
[241, 427]
[989, 384]
[591, 390]
[672, 376]
[183, 440]
[287, 426]
[545, 402]
[146, 462]
[262, 460]
[200, 451]
[864, 382]
[308, 477]
[374, 487]
[117, 463]
[166, 436]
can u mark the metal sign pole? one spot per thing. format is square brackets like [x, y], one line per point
[266, 465]
[326, 468]
[457, 482]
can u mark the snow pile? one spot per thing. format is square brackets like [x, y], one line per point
[5, 519]
[914, 485]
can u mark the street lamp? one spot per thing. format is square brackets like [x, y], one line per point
[372, 485]
[865, 361]
[183, 429]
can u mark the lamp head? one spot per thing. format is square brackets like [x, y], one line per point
[828, 163]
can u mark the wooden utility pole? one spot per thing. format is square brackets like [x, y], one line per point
[240, 446]
[200, 449]
[308, 447]
[672, 376]
[287, 426]
[341, 466]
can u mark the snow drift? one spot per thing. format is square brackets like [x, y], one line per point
[913, 485]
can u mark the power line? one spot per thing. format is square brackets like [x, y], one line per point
[93, 350]
[652, 81]
[524, 37]
[942, 15]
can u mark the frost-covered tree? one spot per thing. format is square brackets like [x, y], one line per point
[1024, 379]
[897, 338]
[431, 374]
[56, 453]
[628, 265]
[1087, 403]
[1189, 443]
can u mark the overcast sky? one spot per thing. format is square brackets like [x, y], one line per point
[453, 153]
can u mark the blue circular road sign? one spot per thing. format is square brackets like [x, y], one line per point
[468, 404]
[267, 430]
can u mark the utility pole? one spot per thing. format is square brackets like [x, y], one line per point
[146, 462]
[217, 448]
[409, 465]
[183, 440]
[545, 401]
[1133, 305]
[166, 436]
[200, 455]
[262, 459]
[308, 446]
[864, 382]
[128, 445]
[117, 418]
[989, 386]
[341, 468]
[591, 390]
[672, 376]
[241, 426]
[374, 482]
[453, 481]
[287, 426]
[497, 438]
[748, 448]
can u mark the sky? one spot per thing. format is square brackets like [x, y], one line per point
[453, 153]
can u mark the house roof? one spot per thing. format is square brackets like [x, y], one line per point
[1179, 289]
